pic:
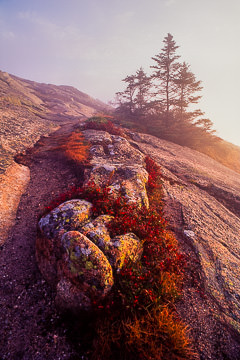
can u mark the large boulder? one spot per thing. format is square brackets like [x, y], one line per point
[118, 250]
[117, 164]
[128, 181]
[112, 148]
[97, 231]
[76, 268]
[70, 215]
[85, 264]
[124, 248]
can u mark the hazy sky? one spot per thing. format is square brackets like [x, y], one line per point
[94, 44]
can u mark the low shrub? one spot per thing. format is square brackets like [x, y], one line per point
[75, 147]
[103, 122]
[137, 320]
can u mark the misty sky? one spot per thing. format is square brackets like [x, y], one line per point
[94, 44]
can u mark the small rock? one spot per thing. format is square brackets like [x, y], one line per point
[97, 150]
[98, 137]
[189, 233]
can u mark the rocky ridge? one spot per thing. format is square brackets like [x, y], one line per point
[29, 110]
[75, 253]
[202, 206]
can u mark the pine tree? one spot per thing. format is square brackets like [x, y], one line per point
[186, 87]
[126, 98]
[143, 85]
[165, 71]
[168, 113]
[135, 98]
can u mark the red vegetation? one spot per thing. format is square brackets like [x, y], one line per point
[137, 319]
[75, 147]
[103, 122]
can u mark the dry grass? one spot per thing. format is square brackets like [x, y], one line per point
[76, 147]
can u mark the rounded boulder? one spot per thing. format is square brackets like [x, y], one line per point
[70, 215]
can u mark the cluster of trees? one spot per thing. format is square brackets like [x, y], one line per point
[162, 103]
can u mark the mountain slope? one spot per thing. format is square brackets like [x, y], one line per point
[29, 109]
[202, 206]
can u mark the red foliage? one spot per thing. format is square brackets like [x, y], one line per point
[137, 285]
[104, 124]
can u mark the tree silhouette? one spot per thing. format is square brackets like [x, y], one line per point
[162, 103]
[134, 100]
[165, 71]
[186, 88]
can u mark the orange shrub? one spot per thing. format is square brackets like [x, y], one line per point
[76, 147]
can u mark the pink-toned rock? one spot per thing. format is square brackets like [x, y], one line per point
[85, 264]
[128, 181]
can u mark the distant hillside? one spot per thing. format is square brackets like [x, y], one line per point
[29, 109]
[218, 149]
[224, 152]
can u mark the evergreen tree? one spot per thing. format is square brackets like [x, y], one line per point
[135, 98]
[143, 85]
[165, 70]
[169, 112]
[126, 97]
[186, 87]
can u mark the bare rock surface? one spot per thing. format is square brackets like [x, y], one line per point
[202, 203]
[202, 206]
[29, 110]
[117, 164]
[12, 185]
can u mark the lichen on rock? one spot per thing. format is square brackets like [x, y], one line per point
[70, 215]
[75, 252]
[98, 233]
[124, 248]
[76, 268]
[98, 137]
[128, 181]
[118, 250]
[85, 264]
